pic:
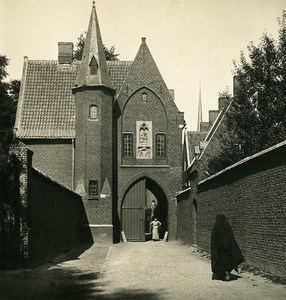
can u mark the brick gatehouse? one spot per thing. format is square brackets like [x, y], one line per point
[110, 131]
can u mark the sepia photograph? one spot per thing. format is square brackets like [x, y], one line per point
[142, 149]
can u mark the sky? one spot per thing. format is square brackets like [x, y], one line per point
[192, 41]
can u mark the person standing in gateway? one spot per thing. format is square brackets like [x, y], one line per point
[155, 229]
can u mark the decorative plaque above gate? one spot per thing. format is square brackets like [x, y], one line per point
[144, 139]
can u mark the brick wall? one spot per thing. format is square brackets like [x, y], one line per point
[251, 194]
[16, 215]
[56, 218]
[99, 215]
[53, 157]
[185, 220]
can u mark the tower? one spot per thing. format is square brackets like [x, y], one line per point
[200, 114]
[94, 95]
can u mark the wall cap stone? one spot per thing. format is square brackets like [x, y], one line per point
[55, 181]
[243, 161]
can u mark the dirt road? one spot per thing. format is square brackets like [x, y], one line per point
[151, 270]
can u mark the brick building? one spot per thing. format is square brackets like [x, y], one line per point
[110, 131]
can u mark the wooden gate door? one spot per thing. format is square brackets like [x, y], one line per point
[133, 212]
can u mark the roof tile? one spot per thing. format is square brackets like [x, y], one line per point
[47, 103]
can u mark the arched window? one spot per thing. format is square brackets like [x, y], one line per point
[93, 112]
[93, 66]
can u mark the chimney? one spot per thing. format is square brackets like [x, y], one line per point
[235, 85]
[212, 116]
[65, 52]
[172, 92]
[204, 126]
[223, 101]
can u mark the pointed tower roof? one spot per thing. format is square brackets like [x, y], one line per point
[200, 113]
[93, 69]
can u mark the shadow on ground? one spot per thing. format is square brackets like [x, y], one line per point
[58, 283]
[128, 295]
[51, 283]
[231, 277]
[53, 280]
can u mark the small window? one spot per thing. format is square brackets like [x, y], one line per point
[144, 97]
[93, 188]
[160, 144]
[127, 144]
[93, 112]
[93, 66]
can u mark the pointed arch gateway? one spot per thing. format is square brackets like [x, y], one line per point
[136, 210]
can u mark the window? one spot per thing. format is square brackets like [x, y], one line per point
[93, 66]
[93, 112]
[93, 188]
[127, 144]
[144, 97]
[160, 144]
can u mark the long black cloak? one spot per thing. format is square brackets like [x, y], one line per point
[225, 253]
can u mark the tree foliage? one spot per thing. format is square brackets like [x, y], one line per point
[9, 167]
[109, 53]
[8, 94]
[256, 119]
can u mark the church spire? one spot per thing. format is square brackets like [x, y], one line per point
[200, 113]
[93, 69]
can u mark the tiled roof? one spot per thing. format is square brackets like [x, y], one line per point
[118, 71]
[46, 105]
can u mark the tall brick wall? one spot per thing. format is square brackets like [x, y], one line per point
[185, 218]
[53, 157]
[56, 218]
[252, 197]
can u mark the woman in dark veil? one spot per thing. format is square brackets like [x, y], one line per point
[225, 253]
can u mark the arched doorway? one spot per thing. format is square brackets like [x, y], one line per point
[136, 212]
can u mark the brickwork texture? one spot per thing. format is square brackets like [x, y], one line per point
[53, 157]
[252, 197]
[56, 218]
